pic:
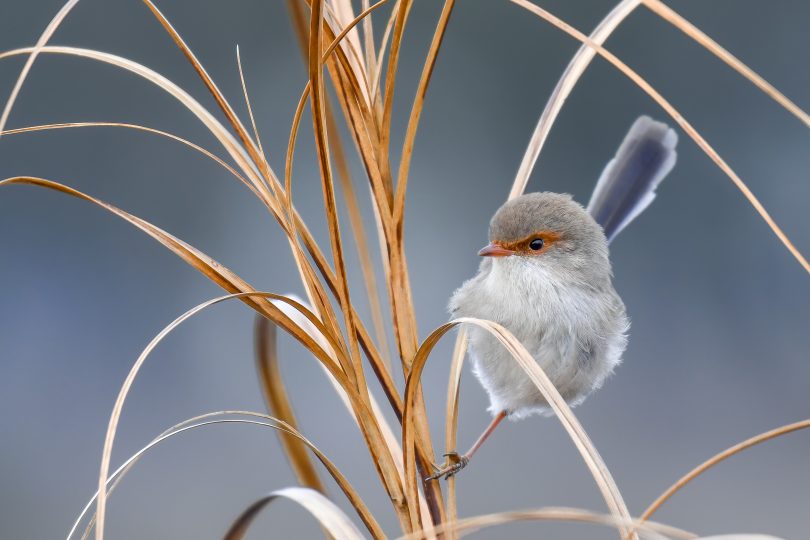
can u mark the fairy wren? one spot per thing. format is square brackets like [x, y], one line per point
[546, 277]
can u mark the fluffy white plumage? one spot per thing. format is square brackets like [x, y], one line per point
[559, 301]
[570, 319]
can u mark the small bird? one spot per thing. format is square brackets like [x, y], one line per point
[546, 277]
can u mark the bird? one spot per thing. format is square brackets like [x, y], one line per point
[546, 277]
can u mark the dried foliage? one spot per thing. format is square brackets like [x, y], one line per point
[339, 49]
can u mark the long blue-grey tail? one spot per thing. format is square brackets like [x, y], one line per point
[627, 185]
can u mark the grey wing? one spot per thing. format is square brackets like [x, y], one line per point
[627, 185]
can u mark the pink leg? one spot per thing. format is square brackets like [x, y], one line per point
[459, 462]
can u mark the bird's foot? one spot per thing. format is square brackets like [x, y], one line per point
[455, 463]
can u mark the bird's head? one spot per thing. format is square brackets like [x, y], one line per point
[549, 231]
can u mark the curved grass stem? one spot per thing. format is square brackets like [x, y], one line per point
[678, 118]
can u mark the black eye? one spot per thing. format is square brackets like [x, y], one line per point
[536, 244]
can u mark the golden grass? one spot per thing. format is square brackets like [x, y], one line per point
[416, 114]
[278, 402]
[217, 418]
[586, 53]
[679, 119]
[590, 455]
[651, 530]
[331, 518]
[41, 42]
[719, 457]
[327, 323]
[451, 415]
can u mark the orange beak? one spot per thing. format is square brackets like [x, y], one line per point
[494, 250]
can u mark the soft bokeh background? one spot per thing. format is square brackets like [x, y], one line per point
[719, 344]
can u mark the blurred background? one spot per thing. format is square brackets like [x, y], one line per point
[719, 341]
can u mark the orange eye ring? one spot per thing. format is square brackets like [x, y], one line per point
[534, 244]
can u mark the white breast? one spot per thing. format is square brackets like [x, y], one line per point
[576, 335]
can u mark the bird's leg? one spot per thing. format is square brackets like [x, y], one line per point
[457, 462]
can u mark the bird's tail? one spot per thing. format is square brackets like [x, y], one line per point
[627, 185]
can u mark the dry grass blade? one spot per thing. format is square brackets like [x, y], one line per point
[570, 77]
[590, 455]
[290, 224]
[352, 207]
[278, 403]
[351, 48]
[340, 13]
[274, 423]
[404, 313]
[235, 151]
[344, 12]
[332, 128]
[392, 441]
[288, 162]
[717, 458]
[360, 238]
[218, 130]
[68, 125]
[328, 515]
[227, 140]
[671, 16]
[384, 150]
[41, 42]
[368, 39]
[339, 285]
[380, 365]
[364, 128]
[649, 530]
[130, 379]
[404, 321]
[292, 227]
[416, 114]
[593, 460]
[402, 303]
[377, 73]
[219, 274]
[391, 480]
[350, 198]
[223, 104]
[382, 454]
[349, 91]
[451, 415]
[585, 55]
[232, 283]
[263, 164]
[330, 207]
[350, 26]
[686, 126]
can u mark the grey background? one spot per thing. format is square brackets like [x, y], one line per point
[718, 348]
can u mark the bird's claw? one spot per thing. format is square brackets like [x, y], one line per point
[456, 463]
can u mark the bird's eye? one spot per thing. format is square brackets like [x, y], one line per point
[536, 244]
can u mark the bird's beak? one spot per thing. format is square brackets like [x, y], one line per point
[494, 250]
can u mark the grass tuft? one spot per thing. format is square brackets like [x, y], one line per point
[340, 52]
